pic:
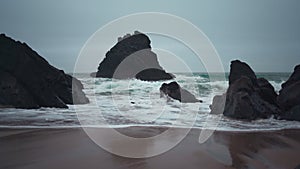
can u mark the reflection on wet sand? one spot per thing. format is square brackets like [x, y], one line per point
[72, 148]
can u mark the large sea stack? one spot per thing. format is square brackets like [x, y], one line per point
[29, 81]
[248, 97]
[132, 57]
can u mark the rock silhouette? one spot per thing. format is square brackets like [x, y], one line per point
[175, 91]
[247, 97]
[29, 81]
[250, 98]
[289, 96]
[132, 57]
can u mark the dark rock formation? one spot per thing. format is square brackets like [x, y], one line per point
[29, 81]
[239, 69]
[153, 74]
[132, 57]
[267, 91]
[176, 92]
[289, 96]
[295, 77]
[247, 97]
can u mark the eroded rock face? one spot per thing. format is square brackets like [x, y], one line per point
[244, 101]
[267, 91]
[289, 96]
[175, 91]
[132, 57]
[247, 97]
[29, 81]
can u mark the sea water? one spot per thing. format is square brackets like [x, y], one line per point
[131, 102]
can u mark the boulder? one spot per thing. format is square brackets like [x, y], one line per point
[29, 81]
[175, 91]
[132, 57]
[247, 97]
[218, 104]
[289, 96]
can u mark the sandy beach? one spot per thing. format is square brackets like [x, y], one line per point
[72, 148]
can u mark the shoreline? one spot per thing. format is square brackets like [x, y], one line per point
[72, 148]
[146, 126]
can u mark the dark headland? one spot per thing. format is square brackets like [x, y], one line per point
[28, 81]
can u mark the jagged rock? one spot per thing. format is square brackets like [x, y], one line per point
[175, 91]
[29, 81]
[247, 97]
[132, 57]
[289, 96]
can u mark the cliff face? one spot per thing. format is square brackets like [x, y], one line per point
[132, 57]
[29, 81]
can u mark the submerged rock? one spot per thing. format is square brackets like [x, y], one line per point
[132, 57]
[289, 96]
[247, 97]
[175, 91]
[29, 81]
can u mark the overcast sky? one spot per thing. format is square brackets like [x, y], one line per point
[264, 33]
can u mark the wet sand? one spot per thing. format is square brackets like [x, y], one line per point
[72, 148]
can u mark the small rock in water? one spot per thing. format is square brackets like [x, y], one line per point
[175, 91]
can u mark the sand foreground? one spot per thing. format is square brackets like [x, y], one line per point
[72, 148]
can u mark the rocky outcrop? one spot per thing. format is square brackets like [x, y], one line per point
[247, 97]
[175, 91]
[250, 98]
[132, 57]
[29, 81]
[289, 96]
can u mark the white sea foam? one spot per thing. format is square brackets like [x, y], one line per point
[124, 103]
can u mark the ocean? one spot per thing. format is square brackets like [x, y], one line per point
[122, 103]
